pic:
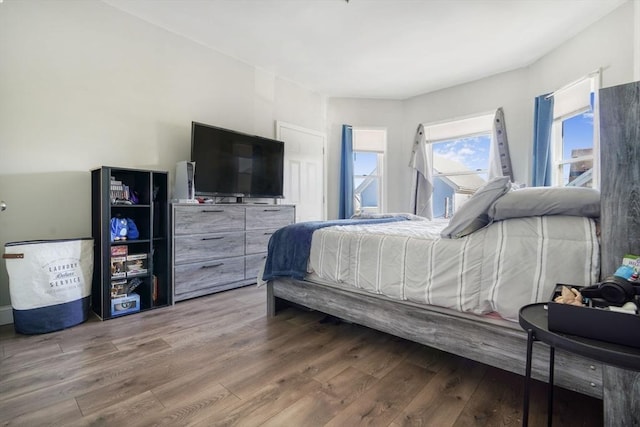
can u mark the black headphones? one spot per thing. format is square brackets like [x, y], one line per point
[613, 289]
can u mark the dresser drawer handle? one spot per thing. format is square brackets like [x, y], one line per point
[213, 266]
[212, 238]
[212, 210]
[272, 210]
[268, 234]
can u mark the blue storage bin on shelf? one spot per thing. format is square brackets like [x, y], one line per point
[49, 283]
[125, 304]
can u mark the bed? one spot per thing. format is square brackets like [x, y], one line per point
[456, 286]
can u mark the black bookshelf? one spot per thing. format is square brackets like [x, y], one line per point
[141, 196]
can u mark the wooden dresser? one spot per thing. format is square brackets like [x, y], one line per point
[221, 246]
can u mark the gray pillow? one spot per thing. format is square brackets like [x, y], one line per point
[539, 201]
[473, 215]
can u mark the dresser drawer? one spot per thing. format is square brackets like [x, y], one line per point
[253, 265]
[269, 216]
[207, 219]
[202, 247]
[190, 278]
[258, 241]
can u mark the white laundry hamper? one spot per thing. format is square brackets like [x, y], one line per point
[49, 283]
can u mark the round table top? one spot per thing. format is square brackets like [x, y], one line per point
[534, 317]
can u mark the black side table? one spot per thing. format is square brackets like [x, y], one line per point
[533, 319]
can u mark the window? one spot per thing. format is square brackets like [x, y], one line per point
[460, 167]
[574, 138]
[460, 152]
[368, 165]
[574, 150]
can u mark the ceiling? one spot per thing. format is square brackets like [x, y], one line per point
[390, 49]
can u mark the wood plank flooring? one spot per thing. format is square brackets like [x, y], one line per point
[218, 361]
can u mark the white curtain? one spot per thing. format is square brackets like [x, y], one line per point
[422, 177]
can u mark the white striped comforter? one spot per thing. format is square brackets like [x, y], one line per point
[497, 269]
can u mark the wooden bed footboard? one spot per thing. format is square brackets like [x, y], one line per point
[491, 342]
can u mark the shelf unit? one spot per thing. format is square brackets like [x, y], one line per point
[151, 217]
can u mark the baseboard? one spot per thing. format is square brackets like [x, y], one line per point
[6, 315]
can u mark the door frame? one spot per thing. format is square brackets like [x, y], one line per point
[284, 125]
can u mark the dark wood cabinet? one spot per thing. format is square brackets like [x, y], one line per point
[143, 258]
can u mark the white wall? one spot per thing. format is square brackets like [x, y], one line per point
[364, 113]
[83, 85]
[608, 43]
[636, 49]
[483, 96]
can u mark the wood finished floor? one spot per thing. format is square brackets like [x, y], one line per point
[218, 361]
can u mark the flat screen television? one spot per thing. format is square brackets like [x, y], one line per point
[235, 164]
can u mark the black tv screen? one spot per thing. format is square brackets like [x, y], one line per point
[230, 163]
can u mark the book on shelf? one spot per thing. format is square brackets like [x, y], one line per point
[118, 267]
[118, 288]
[123, 287]
[137, 264]
[118, 190]
[119, 251]
[115, 189]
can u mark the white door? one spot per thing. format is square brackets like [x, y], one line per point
[304, 165]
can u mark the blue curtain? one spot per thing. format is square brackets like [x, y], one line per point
[345, 210]
[542, 121]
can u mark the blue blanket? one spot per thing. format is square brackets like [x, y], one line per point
[289, 247]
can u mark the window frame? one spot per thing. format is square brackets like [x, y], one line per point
[477, 125]
[570, 94]
[380, 148]
[558, 161]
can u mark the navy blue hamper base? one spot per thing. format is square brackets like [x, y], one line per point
[52, 318]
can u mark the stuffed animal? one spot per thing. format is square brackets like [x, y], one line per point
[123, 229]
[119, 229]
[569, 296]
[132, 230]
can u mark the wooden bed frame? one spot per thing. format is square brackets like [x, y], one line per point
[494, 342]
[501, 343]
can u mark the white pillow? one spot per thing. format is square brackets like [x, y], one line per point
[539, 201]
[473, 215]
